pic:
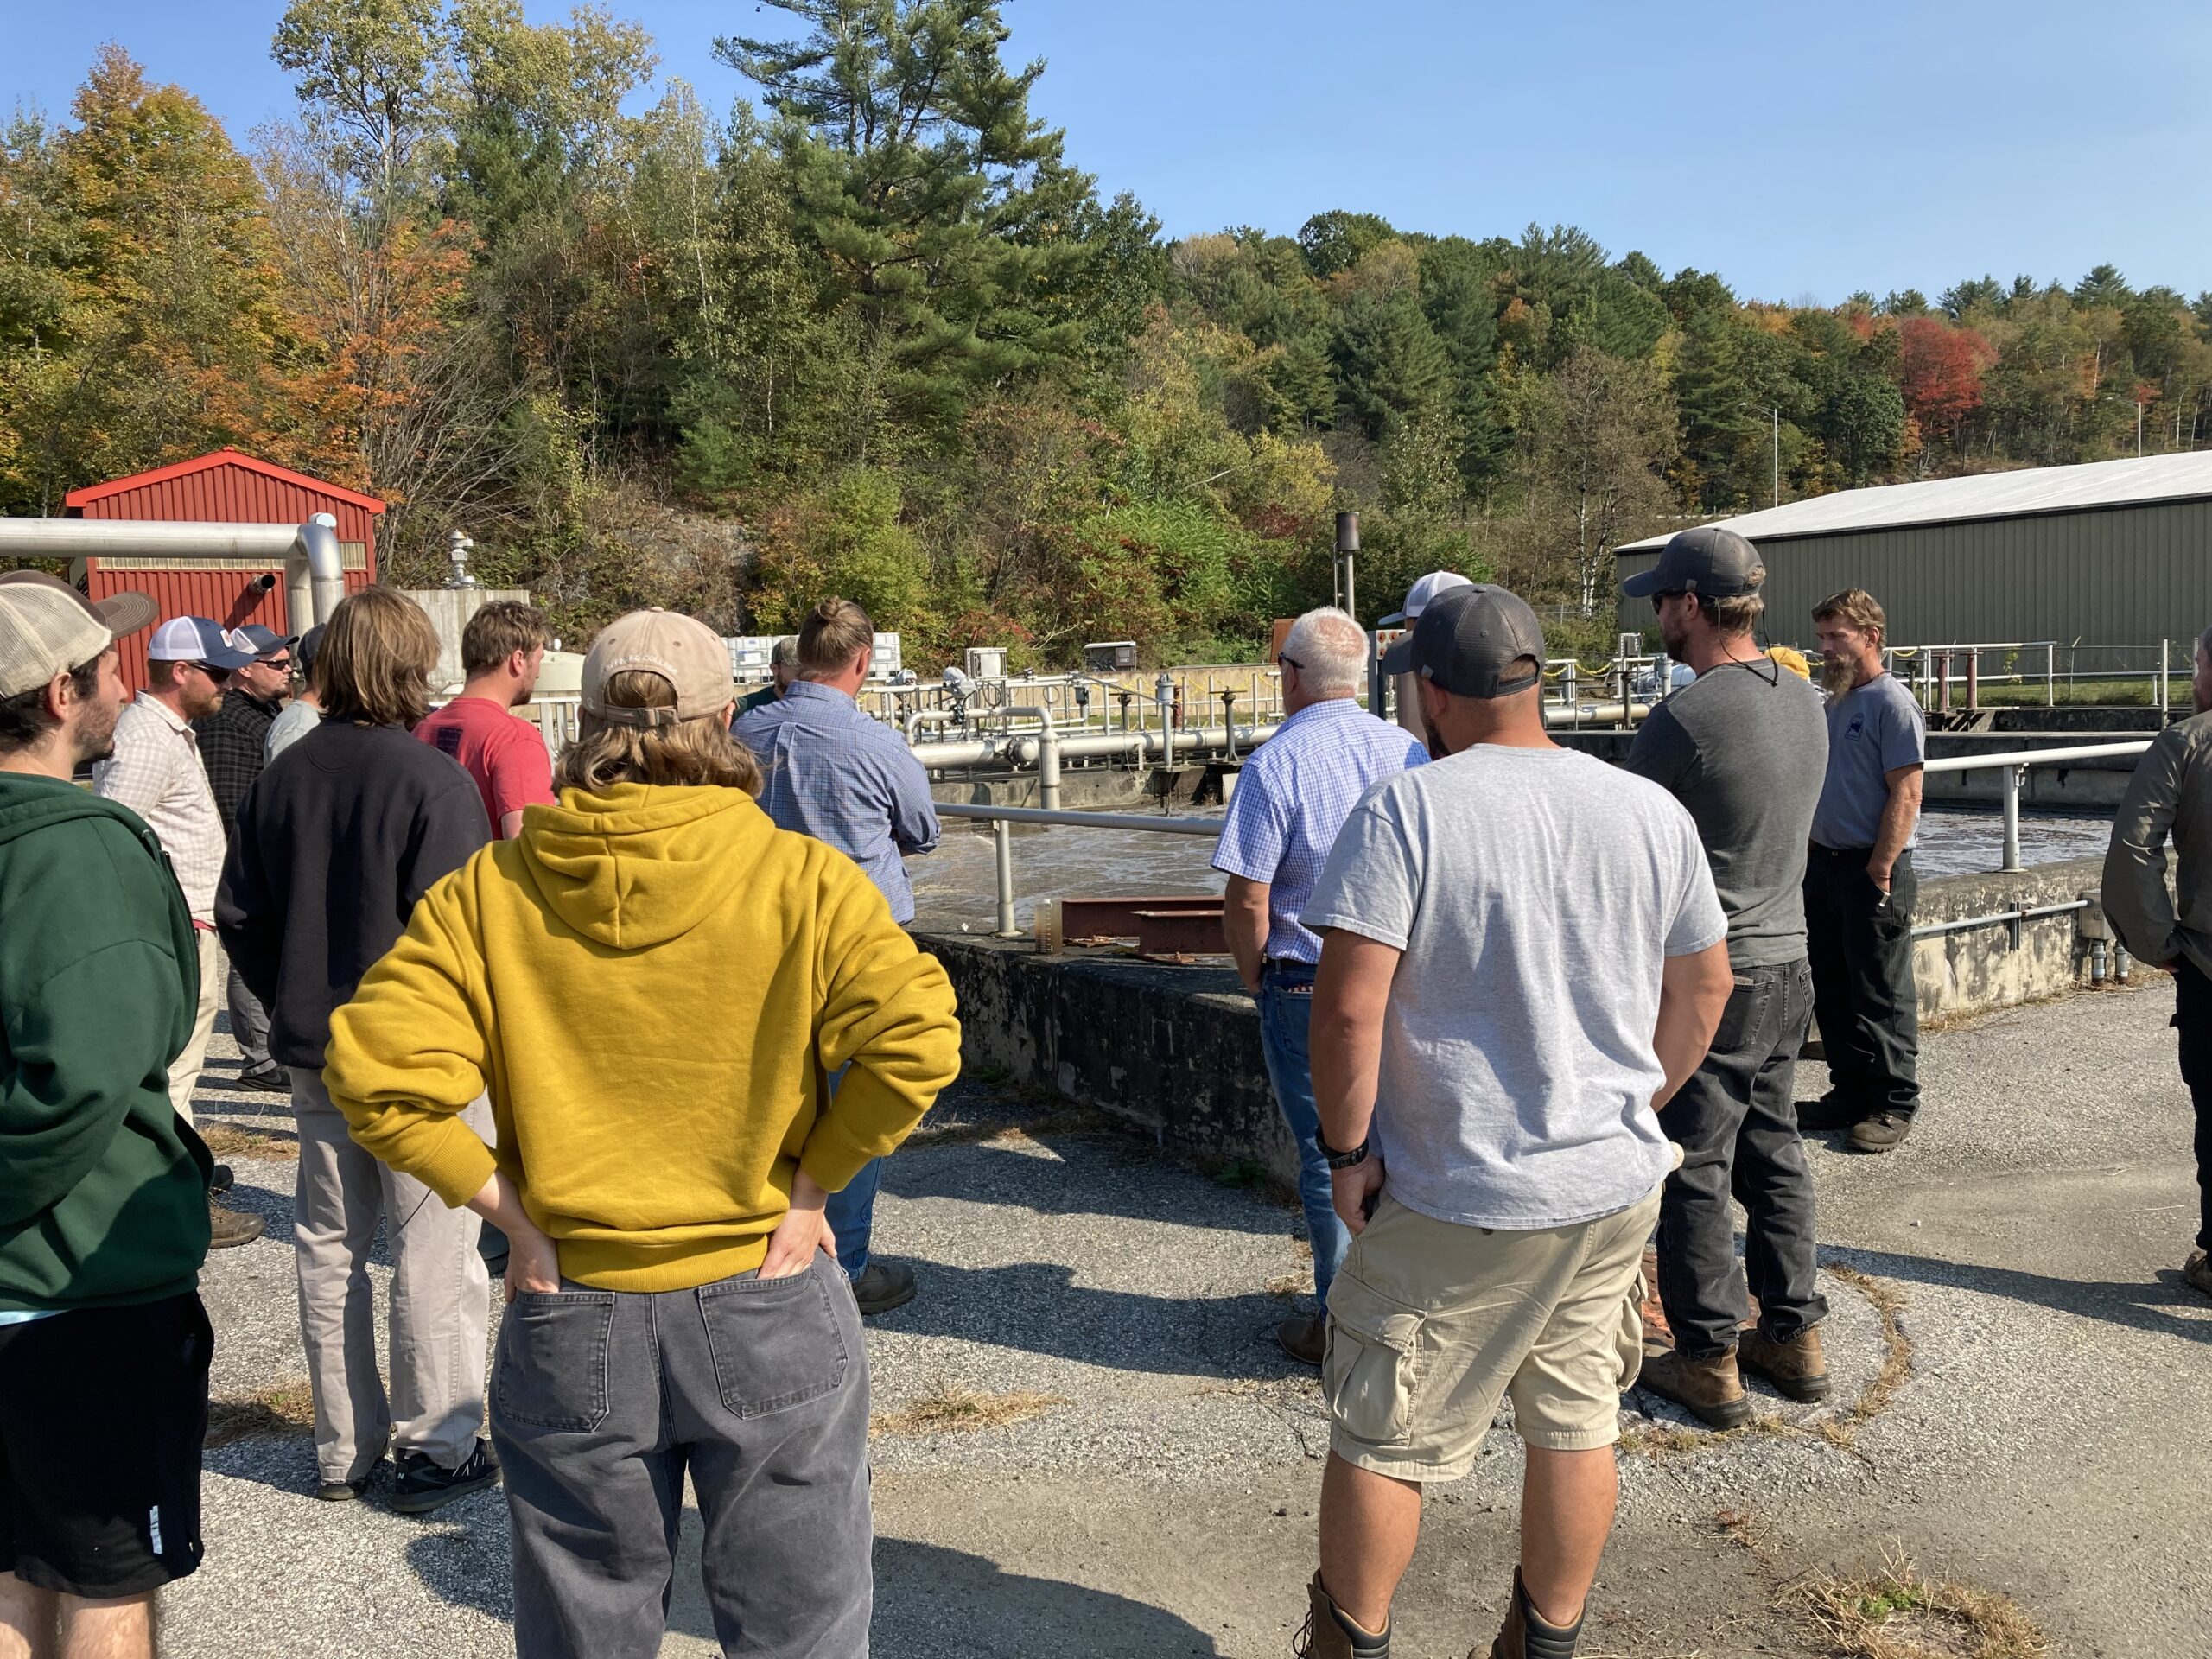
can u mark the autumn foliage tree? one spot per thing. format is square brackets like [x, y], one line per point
[1939, 370]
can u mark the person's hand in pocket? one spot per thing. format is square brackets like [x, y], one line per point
[533, 1262]
[803, 1229]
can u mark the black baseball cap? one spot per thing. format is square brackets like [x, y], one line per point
[310, 642]
[1472, 642]
[1710, 561]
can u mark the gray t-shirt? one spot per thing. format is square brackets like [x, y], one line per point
[1872, 732]
[1745, 747]
[1535, 893]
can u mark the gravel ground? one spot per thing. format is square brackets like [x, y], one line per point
[1158, 1500]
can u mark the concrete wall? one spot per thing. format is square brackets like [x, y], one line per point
[1177, 1049]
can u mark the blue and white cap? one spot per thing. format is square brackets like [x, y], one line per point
[197, 639]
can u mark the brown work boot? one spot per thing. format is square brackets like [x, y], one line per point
[1710, 1388]
[2197, 1270]
[1304, 1337]
[1882, 1131]
[227, 1227]
[1796, 1367]
[1327, 1634]
[1526, 1636]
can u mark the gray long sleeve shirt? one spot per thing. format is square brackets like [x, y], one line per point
[2170, 795]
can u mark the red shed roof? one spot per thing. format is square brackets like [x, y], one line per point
[92, 493]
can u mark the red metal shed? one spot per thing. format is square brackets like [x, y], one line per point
[226, 488]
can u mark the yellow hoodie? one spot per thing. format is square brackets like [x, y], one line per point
[653, 985]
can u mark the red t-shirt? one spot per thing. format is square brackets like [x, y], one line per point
[505, 755]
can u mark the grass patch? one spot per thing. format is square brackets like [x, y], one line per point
[973, 1131]
[1894, 1613]
[959, 1411]
[1290, 1286]
[1657, 1440]
[285, 1410]
[227, 1141]
[1888, 1301]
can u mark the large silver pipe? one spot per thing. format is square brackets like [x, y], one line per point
[314, 567]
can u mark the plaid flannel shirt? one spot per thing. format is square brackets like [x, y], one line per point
[233, 747]
[155, 772]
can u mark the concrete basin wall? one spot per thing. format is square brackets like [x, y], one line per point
[1176, 1049]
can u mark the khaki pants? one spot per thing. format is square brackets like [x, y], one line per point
[185, 1069]
[441, 1300]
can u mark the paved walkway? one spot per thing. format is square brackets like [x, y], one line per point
[1088, 1445]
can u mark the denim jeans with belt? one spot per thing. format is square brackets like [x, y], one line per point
[1286, 1013]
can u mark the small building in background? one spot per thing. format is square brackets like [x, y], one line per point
[225, 487]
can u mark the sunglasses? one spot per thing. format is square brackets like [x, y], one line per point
[218, 675]
[1285, 660]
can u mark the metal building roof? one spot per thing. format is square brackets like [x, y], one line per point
[2133, 482]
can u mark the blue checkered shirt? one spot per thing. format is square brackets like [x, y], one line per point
[1292, 798]
[829, 772]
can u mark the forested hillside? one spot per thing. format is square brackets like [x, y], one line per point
[876, 333]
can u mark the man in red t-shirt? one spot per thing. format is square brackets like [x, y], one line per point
[501, 651]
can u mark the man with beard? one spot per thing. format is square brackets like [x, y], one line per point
[234, 747]
[1744, 747]
[1860, 883]
[2171, 794]
[157, 772]
[104, 1222]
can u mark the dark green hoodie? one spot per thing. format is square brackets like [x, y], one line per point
[103, 1186]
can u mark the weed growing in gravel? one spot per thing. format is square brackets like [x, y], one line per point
[1290, 1285]
[226, 1141]
[954, 1411]
[1894, 1613]
[286, 1410]
[1887, 1301]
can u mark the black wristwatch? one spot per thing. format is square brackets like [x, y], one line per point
[1336, 1160]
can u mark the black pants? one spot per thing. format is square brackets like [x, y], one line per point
[1859, 939]
[1736, 1121]
[2193, 1019]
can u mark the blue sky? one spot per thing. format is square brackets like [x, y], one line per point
[1801, 150]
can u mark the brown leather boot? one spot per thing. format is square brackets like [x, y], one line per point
[1526, 1636]
[1710, 1388]
[1796, 1367]
[1323, 1637]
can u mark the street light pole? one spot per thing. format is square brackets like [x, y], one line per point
[1776, 413]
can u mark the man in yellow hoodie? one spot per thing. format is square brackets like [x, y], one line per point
[652, 982]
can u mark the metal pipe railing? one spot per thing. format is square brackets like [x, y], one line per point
[2013, 768]
[315, 565]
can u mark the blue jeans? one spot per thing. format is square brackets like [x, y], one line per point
[1286, 1013]
[851, 1209]
[851, 1215]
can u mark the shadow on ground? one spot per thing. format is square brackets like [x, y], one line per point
[929, 1600]
[2164, 1306]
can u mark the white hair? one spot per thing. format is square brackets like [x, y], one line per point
[1331, 651]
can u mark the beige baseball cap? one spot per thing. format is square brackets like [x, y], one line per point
[683, 651]
[47, 627]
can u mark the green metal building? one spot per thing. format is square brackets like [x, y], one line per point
[2112, 553]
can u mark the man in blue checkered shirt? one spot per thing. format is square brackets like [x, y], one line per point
[1291, 798]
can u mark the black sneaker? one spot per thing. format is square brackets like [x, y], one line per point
[423, 1486]
[270, 1079]
[219, 1178]
[883, 1286]
[341, 1491]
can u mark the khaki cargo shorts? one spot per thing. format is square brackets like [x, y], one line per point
[1431, 1324]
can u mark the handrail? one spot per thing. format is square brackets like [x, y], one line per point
[1082, 820]
[2036, 757]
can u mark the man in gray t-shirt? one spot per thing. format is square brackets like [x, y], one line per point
[1860, 885]
[1744, 747]
[1523, 957]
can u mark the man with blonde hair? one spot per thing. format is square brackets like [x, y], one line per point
[1860, 887]
[831, 772]
[1291, 798]
[673, 1311]
[337, 842]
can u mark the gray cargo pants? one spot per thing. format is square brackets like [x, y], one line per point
[601, 1400]
[441, 1300]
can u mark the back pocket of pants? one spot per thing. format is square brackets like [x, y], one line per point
[552, 1361]
[776, 1342]
[1367, 1374]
